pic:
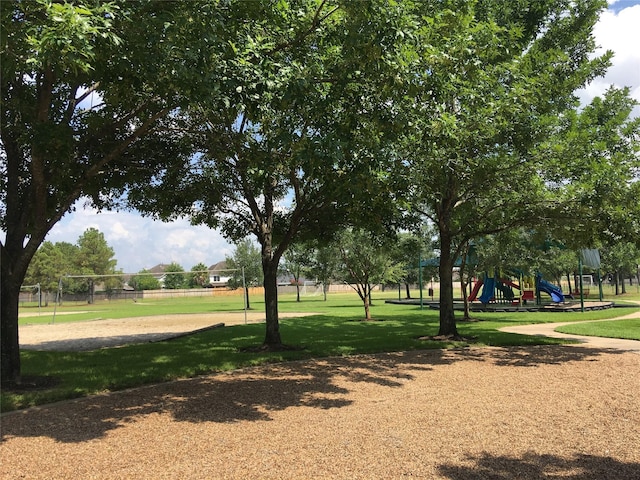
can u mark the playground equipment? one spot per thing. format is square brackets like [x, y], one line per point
[550, 289]
[491, 285]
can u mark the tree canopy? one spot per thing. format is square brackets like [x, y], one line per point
[488, 83]
[290, 153]
[88, 259]
[198, 276]
[366, 260]
[89, 93]
[245, 265]
[174, 276]
[145, 280]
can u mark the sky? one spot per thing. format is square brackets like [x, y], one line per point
[140, 242]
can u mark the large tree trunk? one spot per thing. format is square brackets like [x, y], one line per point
[444, 211]
[14, 261]
[270, 270]
[447, 314]
[9, 342]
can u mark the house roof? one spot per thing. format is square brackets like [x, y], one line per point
[160, 268]
[217, 267]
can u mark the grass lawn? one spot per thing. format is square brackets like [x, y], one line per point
[629, 329]
[334, 329]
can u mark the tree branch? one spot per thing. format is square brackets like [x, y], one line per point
[317, 20]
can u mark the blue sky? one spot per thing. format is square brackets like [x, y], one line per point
[618, 5]
[142, 243]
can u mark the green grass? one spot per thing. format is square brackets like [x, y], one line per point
[628, 329]
[127, 309]
[334, 329]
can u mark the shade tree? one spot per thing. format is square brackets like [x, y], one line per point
[245, 265]
[47, 265]
[410, 250]
[294, 264]
[323, 263]
[620, 261]
[366, 261]
[89, 94]
[489, 81]
[292, 151]
[90, 259]
[594, 171]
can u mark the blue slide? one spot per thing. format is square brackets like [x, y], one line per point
[487, 290]
[551, 289]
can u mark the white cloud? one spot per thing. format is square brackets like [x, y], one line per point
[617, 30]
[140, 242]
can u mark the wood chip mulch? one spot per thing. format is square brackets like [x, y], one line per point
[547, 412]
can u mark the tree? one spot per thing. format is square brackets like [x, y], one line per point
[288, 155]
[174, 278]
[199, 276]
[90, 256]
[621, 261]
[94, 254]
[595, 168]
[48, 265]
[488, 83]
[366, 261]
[144, 281]
[95, 257]
[247, 267]
[295, 261]
[595, 160]
[89, 93]
[323, 263]
[409, 251]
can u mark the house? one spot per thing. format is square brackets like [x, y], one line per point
[158, 273]
[219, 276]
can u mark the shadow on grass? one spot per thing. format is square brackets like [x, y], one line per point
[254, 394]
[535, 467]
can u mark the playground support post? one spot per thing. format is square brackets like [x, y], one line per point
[600, 285]
[581, 289]
[246, 296]
[58, 299]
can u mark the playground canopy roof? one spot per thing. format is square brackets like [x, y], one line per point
[472, 259]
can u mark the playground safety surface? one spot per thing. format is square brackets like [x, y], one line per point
[521, 412]
[572, 306]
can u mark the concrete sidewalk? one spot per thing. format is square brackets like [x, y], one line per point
[548, 330]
